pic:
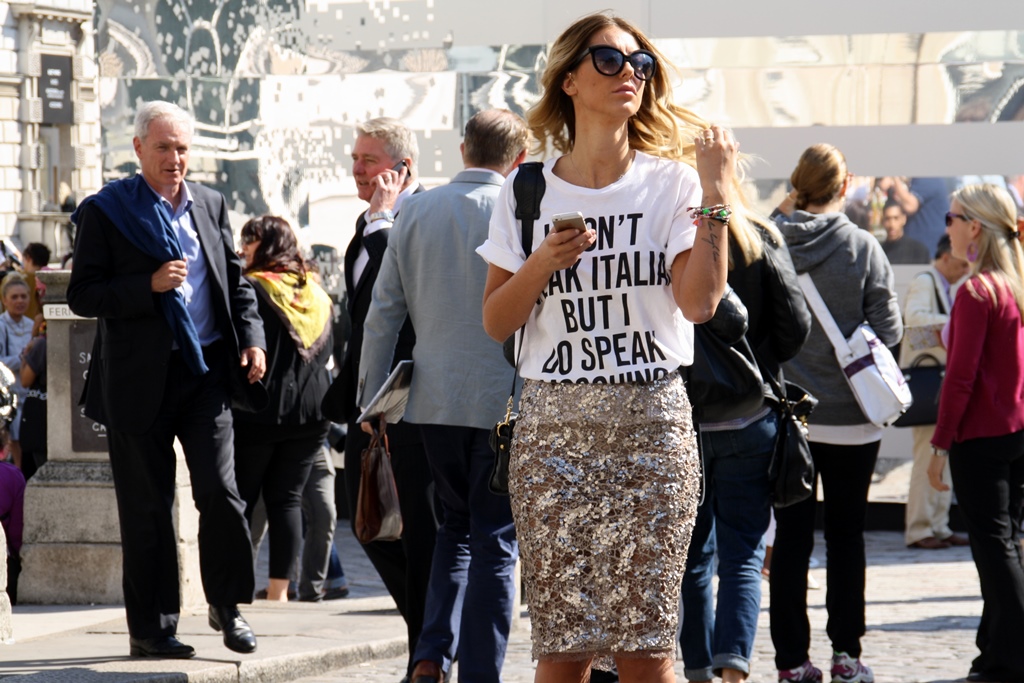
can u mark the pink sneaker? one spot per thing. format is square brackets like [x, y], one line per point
[805, 673]
[846, 669]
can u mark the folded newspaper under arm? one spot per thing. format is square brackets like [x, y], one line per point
[392, 397]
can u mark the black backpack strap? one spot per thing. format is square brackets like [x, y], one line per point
[528, 188]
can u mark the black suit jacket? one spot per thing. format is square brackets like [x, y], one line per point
[340, 403]
[110, 281]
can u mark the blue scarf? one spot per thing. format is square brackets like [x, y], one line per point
[143, 219]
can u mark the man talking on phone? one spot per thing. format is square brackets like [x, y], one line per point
[384, 167]
[429, 275]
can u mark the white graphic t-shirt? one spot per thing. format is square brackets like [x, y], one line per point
[611, 317]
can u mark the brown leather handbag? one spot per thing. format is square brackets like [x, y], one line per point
[378, 515]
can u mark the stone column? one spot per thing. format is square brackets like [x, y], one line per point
[72, 549]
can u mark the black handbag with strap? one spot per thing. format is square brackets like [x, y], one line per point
[924, 377]
[528, 188]
[791, 471]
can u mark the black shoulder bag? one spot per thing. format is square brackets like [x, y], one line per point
[724, 382]
[528, 188]
[791, 471]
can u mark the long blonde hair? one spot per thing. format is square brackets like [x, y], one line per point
[999, 249]
[660, 127]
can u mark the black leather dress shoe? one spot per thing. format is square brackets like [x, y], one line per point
[993, 677]
[167, 647]
[238, 636]
[426, 671]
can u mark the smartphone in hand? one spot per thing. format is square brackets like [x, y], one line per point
[398, 167]
[564, 221]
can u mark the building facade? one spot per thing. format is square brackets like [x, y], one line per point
[49, 118]
[925, 88]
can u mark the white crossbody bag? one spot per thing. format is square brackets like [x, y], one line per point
[869, 367]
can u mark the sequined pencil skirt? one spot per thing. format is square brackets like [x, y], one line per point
[604, 482]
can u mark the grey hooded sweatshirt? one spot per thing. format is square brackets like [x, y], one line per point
[854, 278]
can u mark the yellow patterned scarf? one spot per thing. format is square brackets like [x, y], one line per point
[305, 310]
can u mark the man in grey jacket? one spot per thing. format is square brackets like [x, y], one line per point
[459, 388]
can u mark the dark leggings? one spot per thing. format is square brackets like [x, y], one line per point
[845, 473]
[988, 476]
[275, 460]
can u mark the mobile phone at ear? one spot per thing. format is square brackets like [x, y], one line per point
[398, 167]
[564, 221]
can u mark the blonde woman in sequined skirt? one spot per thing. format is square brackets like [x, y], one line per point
[604, 471]
[604, 481]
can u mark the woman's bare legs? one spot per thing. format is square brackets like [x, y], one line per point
[645, 670]
[549, 671]
[733, 676]
[277, 589]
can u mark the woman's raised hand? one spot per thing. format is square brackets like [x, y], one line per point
[717, 151]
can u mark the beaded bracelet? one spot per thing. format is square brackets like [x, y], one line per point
[719, 212]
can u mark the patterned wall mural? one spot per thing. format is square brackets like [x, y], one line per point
[277, 85]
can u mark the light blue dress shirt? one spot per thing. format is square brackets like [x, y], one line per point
[195, 288]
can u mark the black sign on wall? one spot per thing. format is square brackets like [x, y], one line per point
[55, 89]
[87, 436]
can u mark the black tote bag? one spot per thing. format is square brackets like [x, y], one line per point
[924, 377]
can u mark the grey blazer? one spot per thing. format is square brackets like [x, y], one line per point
[432, 272]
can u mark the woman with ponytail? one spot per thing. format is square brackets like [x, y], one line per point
[980, 426]
[853, 276]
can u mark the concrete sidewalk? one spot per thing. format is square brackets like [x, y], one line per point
[923, 609]
[296, 639]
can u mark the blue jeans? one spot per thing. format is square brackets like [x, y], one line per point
[733, 518]
[472, 580]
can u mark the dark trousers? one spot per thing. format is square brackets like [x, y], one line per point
[196, 411]
[845, 473]
[403, 565]
[275, 460]
[988, 476]
[472, 583]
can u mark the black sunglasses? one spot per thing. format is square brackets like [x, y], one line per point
[610, 61]
[950, 216]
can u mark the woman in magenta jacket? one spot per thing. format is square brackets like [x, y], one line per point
[981, 417]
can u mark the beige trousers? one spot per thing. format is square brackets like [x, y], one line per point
[927, 509]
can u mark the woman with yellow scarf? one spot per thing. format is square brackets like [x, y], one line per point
[275, 447]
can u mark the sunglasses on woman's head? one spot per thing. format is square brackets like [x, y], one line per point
[610, 61]
[950, 216]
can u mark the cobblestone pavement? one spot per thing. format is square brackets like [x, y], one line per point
[923, 609]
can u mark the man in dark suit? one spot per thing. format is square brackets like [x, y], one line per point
[431, 276]
[384, 167]
[177, 334]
